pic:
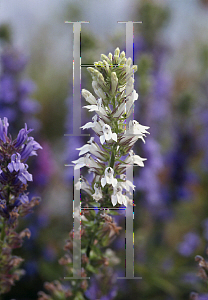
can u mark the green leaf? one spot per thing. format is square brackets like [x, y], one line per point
[90, 268]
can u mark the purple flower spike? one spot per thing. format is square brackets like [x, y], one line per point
[22, 136]
[30, 148]
[3, 129]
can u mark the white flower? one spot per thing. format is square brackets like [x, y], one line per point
[98, 193]
[109, 177]
[77, 214]
[98, 90]
[85, 161]
[83, 184]
[108, 135]
[127, 184]
[111, 256]
[126, 105]
[130, 100]
[99, 109]
[137, 128]
[90, 124]
[93, 148]
[95, 125]
[88, 96]
[134, 159]
[118, 196]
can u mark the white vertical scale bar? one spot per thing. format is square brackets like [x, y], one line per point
[76, 80]
[129, 171]
[76, 132]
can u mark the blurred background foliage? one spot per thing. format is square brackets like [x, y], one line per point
[171, 212]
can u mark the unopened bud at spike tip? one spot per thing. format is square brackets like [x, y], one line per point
[114, 82]
[110, 56]
[129, 61]
[122, 55]
[117, 52]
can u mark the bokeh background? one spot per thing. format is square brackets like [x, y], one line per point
[171, 213]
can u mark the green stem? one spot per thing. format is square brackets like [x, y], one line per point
[3, 231]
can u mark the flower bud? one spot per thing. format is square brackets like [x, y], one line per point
[88, 97]
[122, 61]
[122, 55]
[104, 57]
[129, 61]
[115, 59]
[110, 57]
[114, 82]
[92, 71]
[117, 52]
[98, 90]
[106, 66]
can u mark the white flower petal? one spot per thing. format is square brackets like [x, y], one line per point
[102, 139]
[84, 149]
[114, 182]
[114, 200]
[103, 182]
[114, 136]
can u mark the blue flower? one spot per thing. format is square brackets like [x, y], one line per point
[30, 148]
[22, 136]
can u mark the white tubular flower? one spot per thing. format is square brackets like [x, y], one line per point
[86, 148]
[83, 184]
[88, 96]
[118, 197]
[77, 215]
[91, 107]
[93, 148]
[130, 100]
[114, 82]
[85, 161]
[127, 184]
[99, 109]
[126, 105]
[137, 129]
[98, 90]
[134, 159]
[130, 84]
[109, 179]
[98, 193]
[108, 135]
[112, 257]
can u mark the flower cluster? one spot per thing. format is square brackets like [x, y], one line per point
[113, 85]
[14, 200]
